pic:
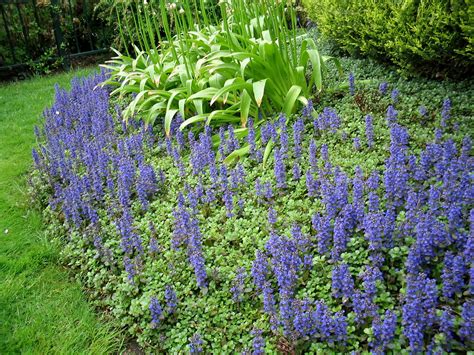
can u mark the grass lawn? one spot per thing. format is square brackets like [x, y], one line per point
[41, 309]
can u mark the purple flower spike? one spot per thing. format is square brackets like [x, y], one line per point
[351, 84]
[445, 112]
[279, 169]
[369, 130]
[258, 342]
[195, 345]
[155, 310]
[272, 216]
[395, 94]
[238, 285]
[357, 143]
[171, 299]
[392, 115]
[383, 87]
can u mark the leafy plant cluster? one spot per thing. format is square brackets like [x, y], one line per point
[357, 235]
[249, 64]
[428, 37]
[125, 18]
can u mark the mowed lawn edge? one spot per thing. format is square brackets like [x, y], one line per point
[41, 309]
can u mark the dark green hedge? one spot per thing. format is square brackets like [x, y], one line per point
[426, 36]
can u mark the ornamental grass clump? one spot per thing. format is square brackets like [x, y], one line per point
[220, 71]
[367, 258]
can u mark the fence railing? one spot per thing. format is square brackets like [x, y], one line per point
[37, 31]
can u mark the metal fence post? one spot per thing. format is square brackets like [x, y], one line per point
[24, 28]
[29, 47]
[7, 31]
[58, 34]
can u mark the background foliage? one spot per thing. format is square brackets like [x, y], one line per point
[428, 36]
[82, 30]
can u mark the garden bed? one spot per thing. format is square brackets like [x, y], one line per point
[355, 234]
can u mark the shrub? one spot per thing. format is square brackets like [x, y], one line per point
[429, 37]
[326, 249]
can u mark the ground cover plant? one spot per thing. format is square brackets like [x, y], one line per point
[41, 309]
[356, 234]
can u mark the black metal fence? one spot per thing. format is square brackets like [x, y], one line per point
[34, 33]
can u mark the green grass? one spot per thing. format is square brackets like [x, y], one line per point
[41, 309]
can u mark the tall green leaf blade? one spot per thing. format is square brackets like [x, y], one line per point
[227, 89]
[237, 154]
[317, 70]
[135, 101]
[154, 111]
[168, 119]
[199, 105]
[181, 106]
[243, 65]
[191, 120]
[259, 90]
[290, 100]
[245, 102]
[266, 153]
[174, 93]
[207, 93]
[222, 116]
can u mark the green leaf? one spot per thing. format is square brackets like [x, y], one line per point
[207, 93]
[317, 71]
[243, 65]
[168, 118]
[172, 97]
[258, 91]
[336, 62]
[198, 104]
[237, 154]
[223, 116]
[268, 150]
[133, 104]
[290, 100]
[245, 101]
[143, 83]
[191, 120]
[181, 106]
[154, 111]
[216, 80]
[228, 89]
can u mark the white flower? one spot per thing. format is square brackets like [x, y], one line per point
[181, 11]
[6, 231]
[57, 112]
